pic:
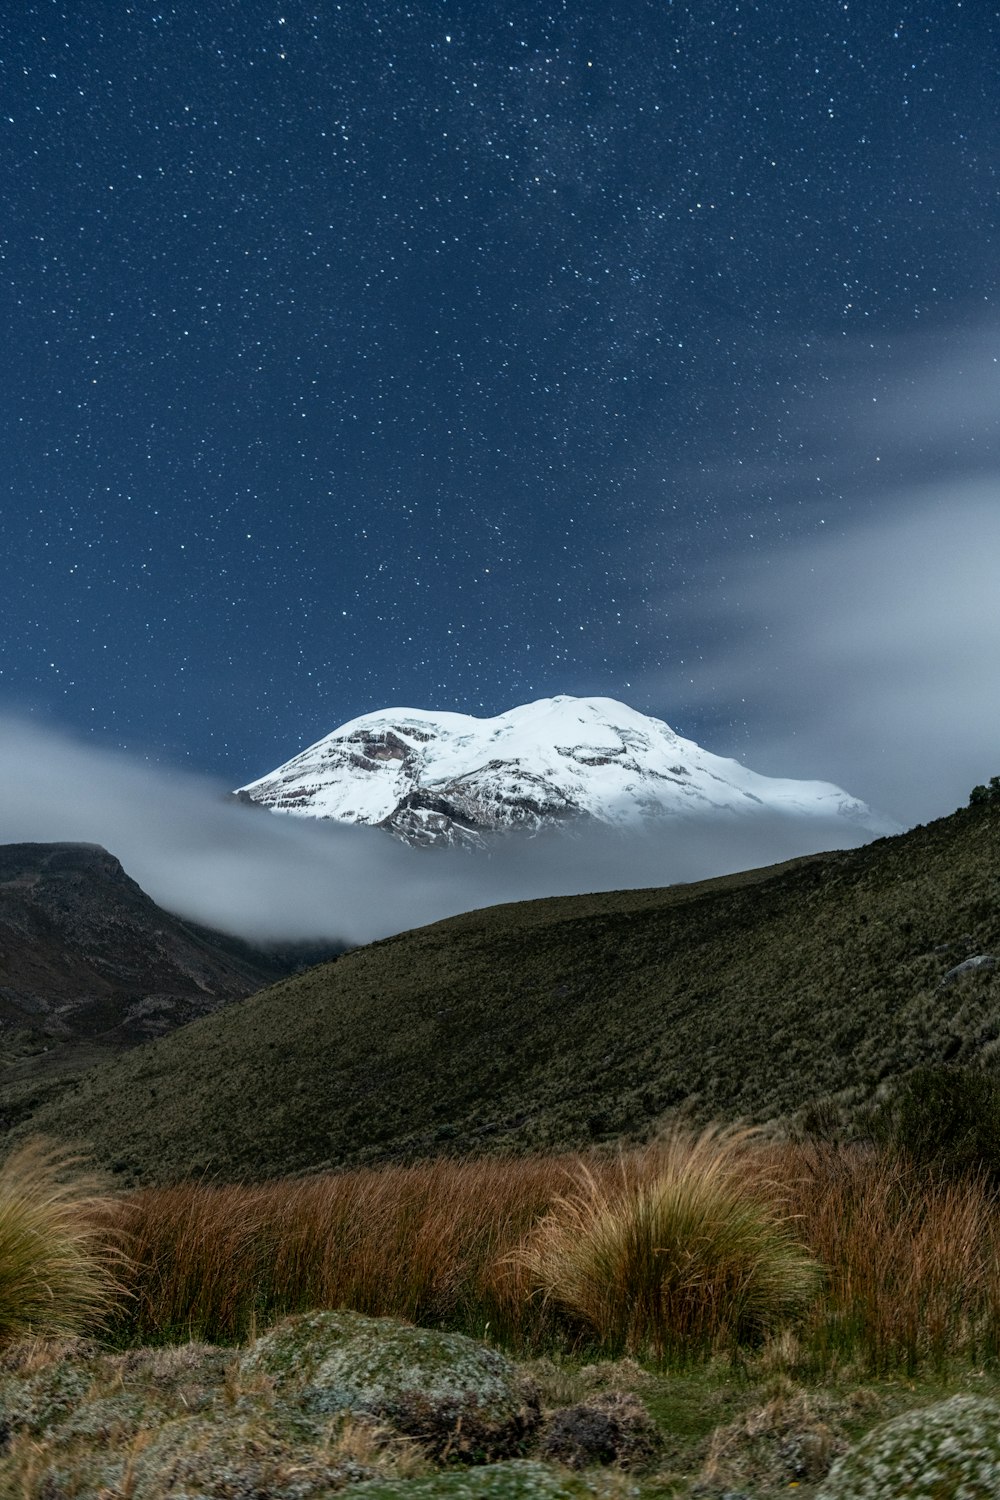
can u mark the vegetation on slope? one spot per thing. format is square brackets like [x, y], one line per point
[550, 1025]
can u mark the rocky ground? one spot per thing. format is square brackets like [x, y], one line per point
[336, 1403]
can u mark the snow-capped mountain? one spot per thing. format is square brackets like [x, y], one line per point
[446, 778]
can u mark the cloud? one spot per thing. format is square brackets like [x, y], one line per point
[872, 659]
[274, 878]
[853, 633]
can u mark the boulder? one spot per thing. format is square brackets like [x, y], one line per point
[951, 1448]
[461, 1400]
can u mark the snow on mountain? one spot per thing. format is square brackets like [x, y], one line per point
[447, 778]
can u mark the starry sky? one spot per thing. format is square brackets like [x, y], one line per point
[458, 354]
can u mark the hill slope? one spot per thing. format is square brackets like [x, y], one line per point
[90, 965]
[558, 1022]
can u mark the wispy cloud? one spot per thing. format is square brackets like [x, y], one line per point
[873, 659]
[868, 651]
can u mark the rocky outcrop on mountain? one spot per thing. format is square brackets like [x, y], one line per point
[982, 963]
[86, 955]
[445, 778]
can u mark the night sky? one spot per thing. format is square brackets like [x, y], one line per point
[458, 354]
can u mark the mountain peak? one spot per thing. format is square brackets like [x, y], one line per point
[438, 777]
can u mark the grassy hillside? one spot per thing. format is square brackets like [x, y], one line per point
[554, 1024]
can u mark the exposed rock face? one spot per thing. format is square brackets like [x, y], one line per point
[982, 963]
[85, 954]
[445, 778]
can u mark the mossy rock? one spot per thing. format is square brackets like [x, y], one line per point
[157, 1423]
[518, 1479]
[212, 1456]
[950, 1451]
[460, 1399]
[45, 1398]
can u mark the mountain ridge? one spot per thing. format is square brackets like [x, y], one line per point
[90, 965]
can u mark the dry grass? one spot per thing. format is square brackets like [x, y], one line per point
[914, 1263]
[678, 1251]
[542, 1253]
[425, 1243]
[57, 1257]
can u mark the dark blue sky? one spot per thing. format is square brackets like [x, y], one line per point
[453, 354]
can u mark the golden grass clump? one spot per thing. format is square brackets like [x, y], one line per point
[680, 1250]
[57, 1258]
[687, 1245]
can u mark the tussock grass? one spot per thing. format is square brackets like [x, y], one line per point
[689, 1244]
[426, 1242]
[57, 1258]
[676, 1252]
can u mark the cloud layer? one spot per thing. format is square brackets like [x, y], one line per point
[857, 638]
[272, 878]
[873, 659]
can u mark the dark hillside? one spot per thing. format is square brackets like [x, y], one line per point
[556, 1023]
[90, 965]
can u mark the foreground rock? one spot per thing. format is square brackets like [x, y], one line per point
[457, 1398]
[320, 1403]
[949, 1449]
[336, 1404]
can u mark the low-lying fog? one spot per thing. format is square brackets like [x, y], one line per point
[268, 877]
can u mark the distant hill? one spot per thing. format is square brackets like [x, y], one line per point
[90, 966]
[561, 1022]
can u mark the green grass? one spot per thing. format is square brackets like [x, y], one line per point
[550, 1025]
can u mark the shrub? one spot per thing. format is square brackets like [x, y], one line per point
[672, 1255]
[56, 1258]
[946, 1119]
[981, 794]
